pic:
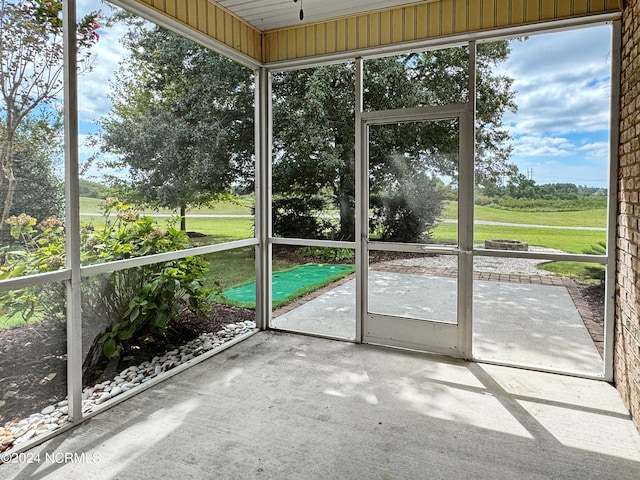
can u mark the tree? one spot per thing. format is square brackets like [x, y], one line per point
[521, 187]
[31, 72]
[35, 146]
[314, 130]
[314, 135]
[91, 189]
[181, 122]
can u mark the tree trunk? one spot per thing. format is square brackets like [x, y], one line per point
[6, 158]
[8, 201]
[345, 195]
[183, 218]
[347, 218]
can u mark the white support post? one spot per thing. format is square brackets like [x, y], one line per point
[614, 132]
[466, 184]
[72, 213]
[263, 133]
[362, 205]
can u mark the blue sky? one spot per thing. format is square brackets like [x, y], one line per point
[561, 130]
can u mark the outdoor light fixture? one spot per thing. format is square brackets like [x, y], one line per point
[301, 12]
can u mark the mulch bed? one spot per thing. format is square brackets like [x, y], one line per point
[292, 254]
[32, 368]
[594, 296]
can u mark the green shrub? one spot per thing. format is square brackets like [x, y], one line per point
[38, 248]
[132, 303]
[543, 205]
[301, 217]
[162, 291]
[409, 212]
[328, 254]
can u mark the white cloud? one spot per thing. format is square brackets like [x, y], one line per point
[580, 50]
[536, 146]
[93, 100]
[562, 81]
[595, 150]
[541, 147]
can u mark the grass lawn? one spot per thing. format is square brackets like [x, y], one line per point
[217, 230]
[8, 322]
[233, 267]
[243, 207]
[570, 241]
[237, 266]
[581, 218]
[567, 240]
[582, 271]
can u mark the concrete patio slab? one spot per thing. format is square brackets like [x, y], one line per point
[283, 406]
[536, 325]
[332, 314]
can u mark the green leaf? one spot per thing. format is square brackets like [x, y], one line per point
[104, 337]
[109, 348]
[126, 334]
[134, 314]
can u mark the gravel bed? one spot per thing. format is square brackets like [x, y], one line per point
[514, 266]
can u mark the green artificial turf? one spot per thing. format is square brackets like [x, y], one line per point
[288, 285]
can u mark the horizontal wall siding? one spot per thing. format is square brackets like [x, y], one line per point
[214, 21]
[421, 21]
[418, 21]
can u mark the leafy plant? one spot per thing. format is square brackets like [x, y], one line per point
[329, 254]
[407, 213]
[166, 291]
[301, 217]
[40, 249]
[132, 303]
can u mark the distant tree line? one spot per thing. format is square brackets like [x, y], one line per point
[93, 189]
[521, 187]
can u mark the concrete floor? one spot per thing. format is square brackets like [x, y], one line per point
[284, 406]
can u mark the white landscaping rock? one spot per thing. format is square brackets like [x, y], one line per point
[103, 398]
[48, 410]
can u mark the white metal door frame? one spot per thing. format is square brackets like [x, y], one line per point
[449, 339]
